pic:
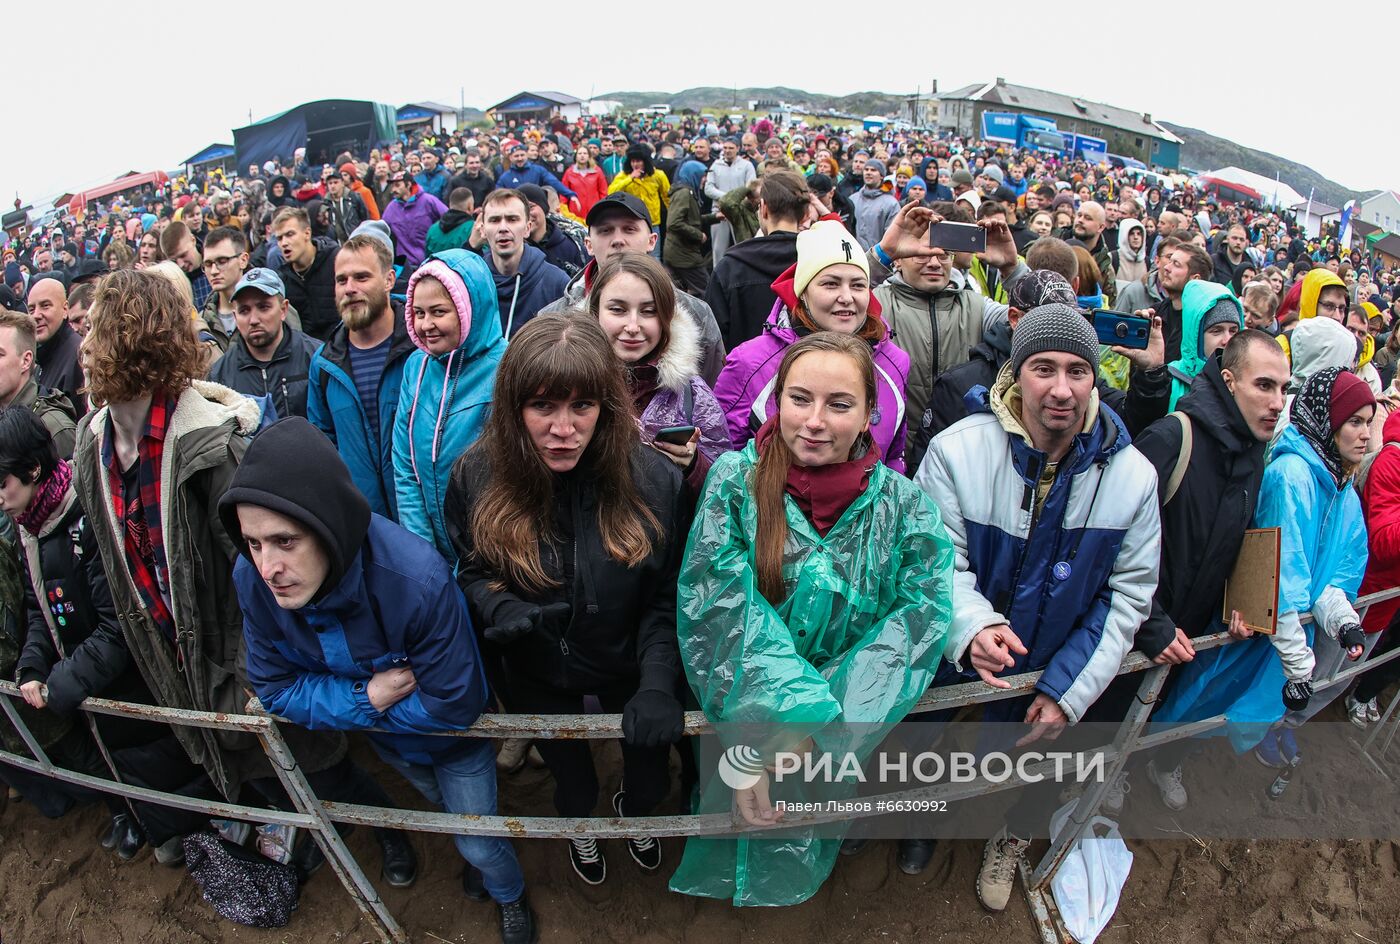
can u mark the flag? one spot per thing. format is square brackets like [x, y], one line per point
[1344, 228]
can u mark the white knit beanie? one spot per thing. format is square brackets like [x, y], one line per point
[826, 243]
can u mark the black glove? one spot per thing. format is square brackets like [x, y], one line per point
[1351, 636]
[1296, 694]
[515, 620]
[652, 719]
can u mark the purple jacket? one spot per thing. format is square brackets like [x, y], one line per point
[677, 369]
[745, 386]
[409, 222]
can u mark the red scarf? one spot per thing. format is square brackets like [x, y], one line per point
[823, 492]
[46, 499]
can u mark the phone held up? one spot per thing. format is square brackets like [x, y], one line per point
[957, 237]
[1116, 328]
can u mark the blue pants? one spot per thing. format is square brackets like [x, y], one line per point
[466, 783]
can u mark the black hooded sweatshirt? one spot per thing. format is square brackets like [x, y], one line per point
[312, 293]
[740, 291]
[1203, 525]
[60, 367]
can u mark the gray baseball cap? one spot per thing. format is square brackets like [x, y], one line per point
[264, 280]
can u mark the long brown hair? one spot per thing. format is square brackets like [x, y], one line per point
[770, 475]
[141, 339]
[555, 357]
[653, 274]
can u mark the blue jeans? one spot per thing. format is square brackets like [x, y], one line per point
[466, 783]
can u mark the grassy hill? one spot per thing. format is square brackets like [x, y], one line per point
[1205, 151]
[1201, 150]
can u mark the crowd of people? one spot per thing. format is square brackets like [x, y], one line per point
[653, 416]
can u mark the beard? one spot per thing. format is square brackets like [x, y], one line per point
[362, 312]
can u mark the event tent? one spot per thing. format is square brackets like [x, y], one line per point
[324, 128]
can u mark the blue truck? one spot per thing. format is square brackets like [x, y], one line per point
[1023, 131]
[1093, 150]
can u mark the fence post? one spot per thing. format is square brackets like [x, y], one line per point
[25, 734]
[324, 832]
[1037, 881]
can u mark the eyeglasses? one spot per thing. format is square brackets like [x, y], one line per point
[218, 263]
[1338, 307]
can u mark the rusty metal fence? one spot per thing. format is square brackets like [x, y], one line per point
[318, 816]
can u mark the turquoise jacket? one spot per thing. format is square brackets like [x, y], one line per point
[1197, 298]
[444, 398]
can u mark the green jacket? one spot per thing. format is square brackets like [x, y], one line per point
[850, 650]
[685, 231]
[54, 410]
[440, 240]
[743, 219]
[207, 435]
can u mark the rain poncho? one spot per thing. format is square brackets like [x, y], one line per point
[857, 639]
[1197, 299]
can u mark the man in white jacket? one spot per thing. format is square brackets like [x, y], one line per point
[1054, 521]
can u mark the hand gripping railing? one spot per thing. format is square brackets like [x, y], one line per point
[318, 816]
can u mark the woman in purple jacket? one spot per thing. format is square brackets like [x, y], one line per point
[828, 289]
[635, 304]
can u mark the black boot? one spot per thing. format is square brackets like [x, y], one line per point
[518, 923]
[914, 855]
[474, 884]
[400, 868]
[132, 837]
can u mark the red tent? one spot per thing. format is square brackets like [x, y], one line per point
[79, 201]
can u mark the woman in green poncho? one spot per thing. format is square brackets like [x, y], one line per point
[1210, 316]
[813, 599]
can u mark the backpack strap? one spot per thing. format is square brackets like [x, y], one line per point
[1183, 457]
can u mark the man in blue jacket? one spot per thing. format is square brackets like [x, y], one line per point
[350, 623]
[1054, 518]
[521, 171]
[353, 381]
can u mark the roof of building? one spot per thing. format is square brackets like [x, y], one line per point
[552, 98]
[1054, 103]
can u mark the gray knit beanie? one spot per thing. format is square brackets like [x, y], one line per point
[1223, 311]
[1053, 327]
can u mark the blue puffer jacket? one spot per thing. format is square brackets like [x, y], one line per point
[1075, 581]
[396, 607]
[444, 398]
[333, 406]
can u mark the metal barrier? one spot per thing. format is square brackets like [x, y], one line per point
[318, 816]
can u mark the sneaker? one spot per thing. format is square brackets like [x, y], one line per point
[1359, 712]
[998, 874]
[1267, 752]
[511, 757]
[518, 923]
[914, 855]
[854, 846]
[1373, 711]
[587, 860]
[1288, 747]
[171, 852]
[474, 884]
[1169, 784]
[233, 830]
[645, 850]
[1117, 793]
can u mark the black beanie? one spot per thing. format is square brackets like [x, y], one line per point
[293, 469]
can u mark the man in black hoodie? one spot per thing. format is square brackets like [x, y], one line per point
[308, 271]
[740, 292]
[1231, 410]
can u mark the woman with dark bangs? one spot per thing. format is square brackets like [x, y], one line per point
[568, 531]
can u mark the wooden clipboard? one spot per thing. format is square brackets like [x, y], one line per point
[1253, 585]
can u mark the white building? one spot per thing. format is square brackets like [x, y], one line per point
[1382, 210]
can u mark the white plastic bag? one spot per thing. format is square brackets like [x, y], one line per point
[1091, 877]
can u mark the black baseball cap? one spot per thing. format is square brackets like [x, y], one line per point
[820, 183]
[618, 202]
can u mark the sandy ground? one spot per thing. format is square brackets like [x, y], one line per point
[59, 885]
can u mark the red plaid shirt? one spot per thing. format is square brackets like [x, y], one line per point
[140, 519]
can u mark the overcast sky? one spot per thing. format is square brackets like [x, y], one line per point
[1184, 65]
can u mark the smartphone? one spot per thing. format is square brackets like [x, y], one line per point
[1114, 327]
[957, 237]
[676, 435]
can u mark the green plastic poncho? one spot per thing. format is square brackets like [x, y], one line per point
[857, 639]
[1197, 298]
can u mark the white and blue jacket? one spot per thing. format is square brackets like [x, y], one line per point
[1075, 581]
